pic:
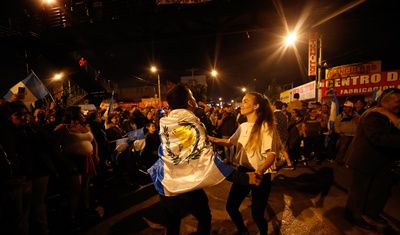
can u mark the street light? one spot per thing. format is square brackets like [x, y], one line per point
[154, 70]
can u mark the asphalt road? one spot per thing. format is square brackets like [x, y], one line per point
[308, 200]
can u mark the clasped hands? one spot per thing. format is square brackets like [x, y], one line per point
[255, 178]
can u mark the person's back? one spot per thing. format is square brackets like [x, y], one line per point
[295, 103]
[187, 164]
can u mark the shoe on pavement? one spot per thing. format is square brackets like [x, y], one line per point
[288, 168]
[360, 223]
[378, 219]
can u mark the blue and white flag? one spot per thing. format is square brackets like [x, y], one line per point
[34, 90]
[135, 137]
[186, 158]
[110, 108]
[334, 111]
[375, 95]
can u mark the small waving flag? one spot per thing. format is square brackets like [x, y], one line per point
[34, 90]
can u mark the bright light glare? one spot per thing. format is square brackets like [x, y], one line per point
[290, 39]
[49, 1]
[153, 69]
[244, 89]
[58, 76]
[214, 73]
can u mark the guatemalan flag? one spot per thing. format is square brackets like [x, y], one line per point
[34, 90]
[186, 158]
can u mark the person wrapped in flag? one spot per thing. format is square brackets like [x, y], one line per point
[187, 164]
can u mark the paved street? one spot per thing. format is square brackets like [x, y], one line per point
[309, 200]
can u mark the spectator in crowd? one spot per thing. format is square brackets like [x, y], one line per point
[295, 103]
[203, 113]
[370, 159]
[295, 136]
[282, 127]
[345, 127]
[359, 106]
[286, 111]
[150, 153]
[227, 125]
[178, 166]
[304, 109]
[76, 150]
[25, 168]
[317, 106]
[128, 123]
[313, 129]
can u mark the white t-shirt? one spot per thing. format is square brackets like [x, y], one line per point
[251, 159]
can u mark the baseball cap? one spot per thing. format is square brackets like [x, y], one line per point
[348, 104]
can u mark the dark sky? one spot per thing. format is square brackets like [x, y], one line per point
[253, 57]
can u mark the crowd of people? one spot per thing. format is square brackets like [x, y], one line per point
[243, 145]
[53, 144]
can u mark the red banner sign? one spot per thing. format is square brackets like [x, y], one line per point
[361, 84]
[312, 54]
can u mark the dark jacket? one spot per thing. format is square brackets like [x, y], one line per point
[376, 144]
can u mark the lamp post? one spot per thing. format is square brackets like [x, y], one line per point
[319, 65]
[154, 69]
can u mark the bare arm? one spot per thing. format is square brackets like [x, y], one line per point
[218, 141]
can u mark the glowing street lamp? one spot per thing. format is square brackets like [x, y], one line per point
[290, 39]
[58, 76]
[154, 70]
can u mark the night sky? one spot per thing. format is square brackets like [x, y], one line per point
[251, 57]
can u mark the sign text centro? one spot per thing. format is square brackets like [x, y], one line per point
[362, 84]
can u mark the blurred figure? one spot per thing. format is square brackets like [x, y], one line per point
[313, 128]
[359, 106]
[295, 136]
[76, 150]
[345, 127]
[285, 111]
[227, 125]
[295, 103]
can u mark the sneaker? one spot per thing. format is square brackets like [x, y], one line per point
[288, 168]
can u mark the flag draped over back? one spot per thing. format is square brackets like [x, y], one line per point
[334, 111]
[186, 158]
[34, 89]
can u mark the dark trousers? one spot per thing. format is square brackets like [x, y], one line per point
[342, 146]
[195, 203]
[313, 144]
[368, 193]
[259, 200]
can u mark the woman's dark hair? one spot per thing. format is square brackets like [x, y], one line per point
[73, 113]
[178, 96]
